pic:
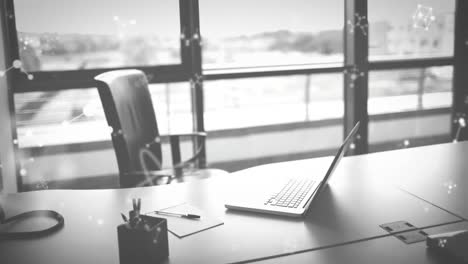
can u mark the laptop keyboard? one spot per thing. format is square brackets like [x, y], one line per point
[292, 194]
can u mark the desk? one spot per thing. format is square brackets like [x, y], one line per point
[445, 182]
[359, 199]
[387, 250]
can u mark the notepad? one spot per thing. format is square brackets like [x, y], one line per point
[182, 227]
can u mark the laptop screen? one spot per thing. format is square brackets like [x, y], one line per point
[344, 147]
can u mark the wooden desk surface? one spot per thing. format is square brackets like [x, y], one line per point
[445, 178]
[387, 250]
[358, 201]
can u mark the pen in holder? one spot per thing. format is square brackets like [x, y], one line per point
[142, 239]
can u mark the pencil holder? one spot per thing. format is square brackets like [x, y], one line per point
[144, 243]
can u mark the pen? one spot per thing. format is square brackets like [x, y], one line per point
[124, 217]
[188, 216]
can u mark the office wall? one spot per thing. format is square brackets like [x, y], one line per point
[8, 183]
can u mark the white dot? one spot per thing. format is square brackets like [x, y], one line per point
[100, 222]
[23, 172]
[2, 73]
[406, 143]
[89, 110]
[17, 64]
[462, 122]
[116, 18]
[15, 141]
[30, 77]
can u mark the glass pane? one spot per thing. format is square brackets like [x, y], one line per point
[74, 35]
[272, 100]
[410, 89]
[411, 28]
[254, 121]
[76, 116]
[405, 131]
[271, 32]
[397, 91]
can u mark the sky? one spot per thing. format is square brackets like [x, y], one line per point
[219, 18]
[97, 16]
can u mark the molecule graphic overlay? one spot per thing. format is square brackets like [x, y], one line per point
[354, 73]
[450, 185]
[423, 17]
[17, 64]
[360, 23]
[406, 143]
[88, 110]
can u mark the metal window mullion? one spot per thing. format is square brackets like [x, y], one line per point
[410, 63]
[460, 67]
[72, 79]
[191, 41]
[356, 72]
[11, 54]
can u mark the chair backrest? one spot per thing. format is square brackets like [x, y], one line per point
[128, 108]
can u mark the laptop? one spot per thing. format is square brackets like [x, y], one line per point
[289, 195]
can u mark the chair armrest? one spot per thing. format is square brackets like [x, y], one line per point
[174, 140]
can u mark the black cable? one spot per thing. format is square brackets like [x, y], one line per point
[31, 234]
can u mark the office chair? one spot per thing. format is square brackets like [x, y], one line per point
[129, 111]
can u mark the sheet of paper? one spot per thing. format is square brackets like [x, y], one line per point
[182, 227]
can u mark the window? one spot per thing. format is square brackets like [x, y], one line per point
[76, 116]
[97, 34]
[409, 130]
[272, 71]
[270, 32]
[405, 29]
[258, 59]
[57, 58]
[414, 104]
[251, 102]
[410, 89]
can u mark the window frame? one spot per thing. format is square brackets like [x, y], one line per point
[355, 51]
[75, 79]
